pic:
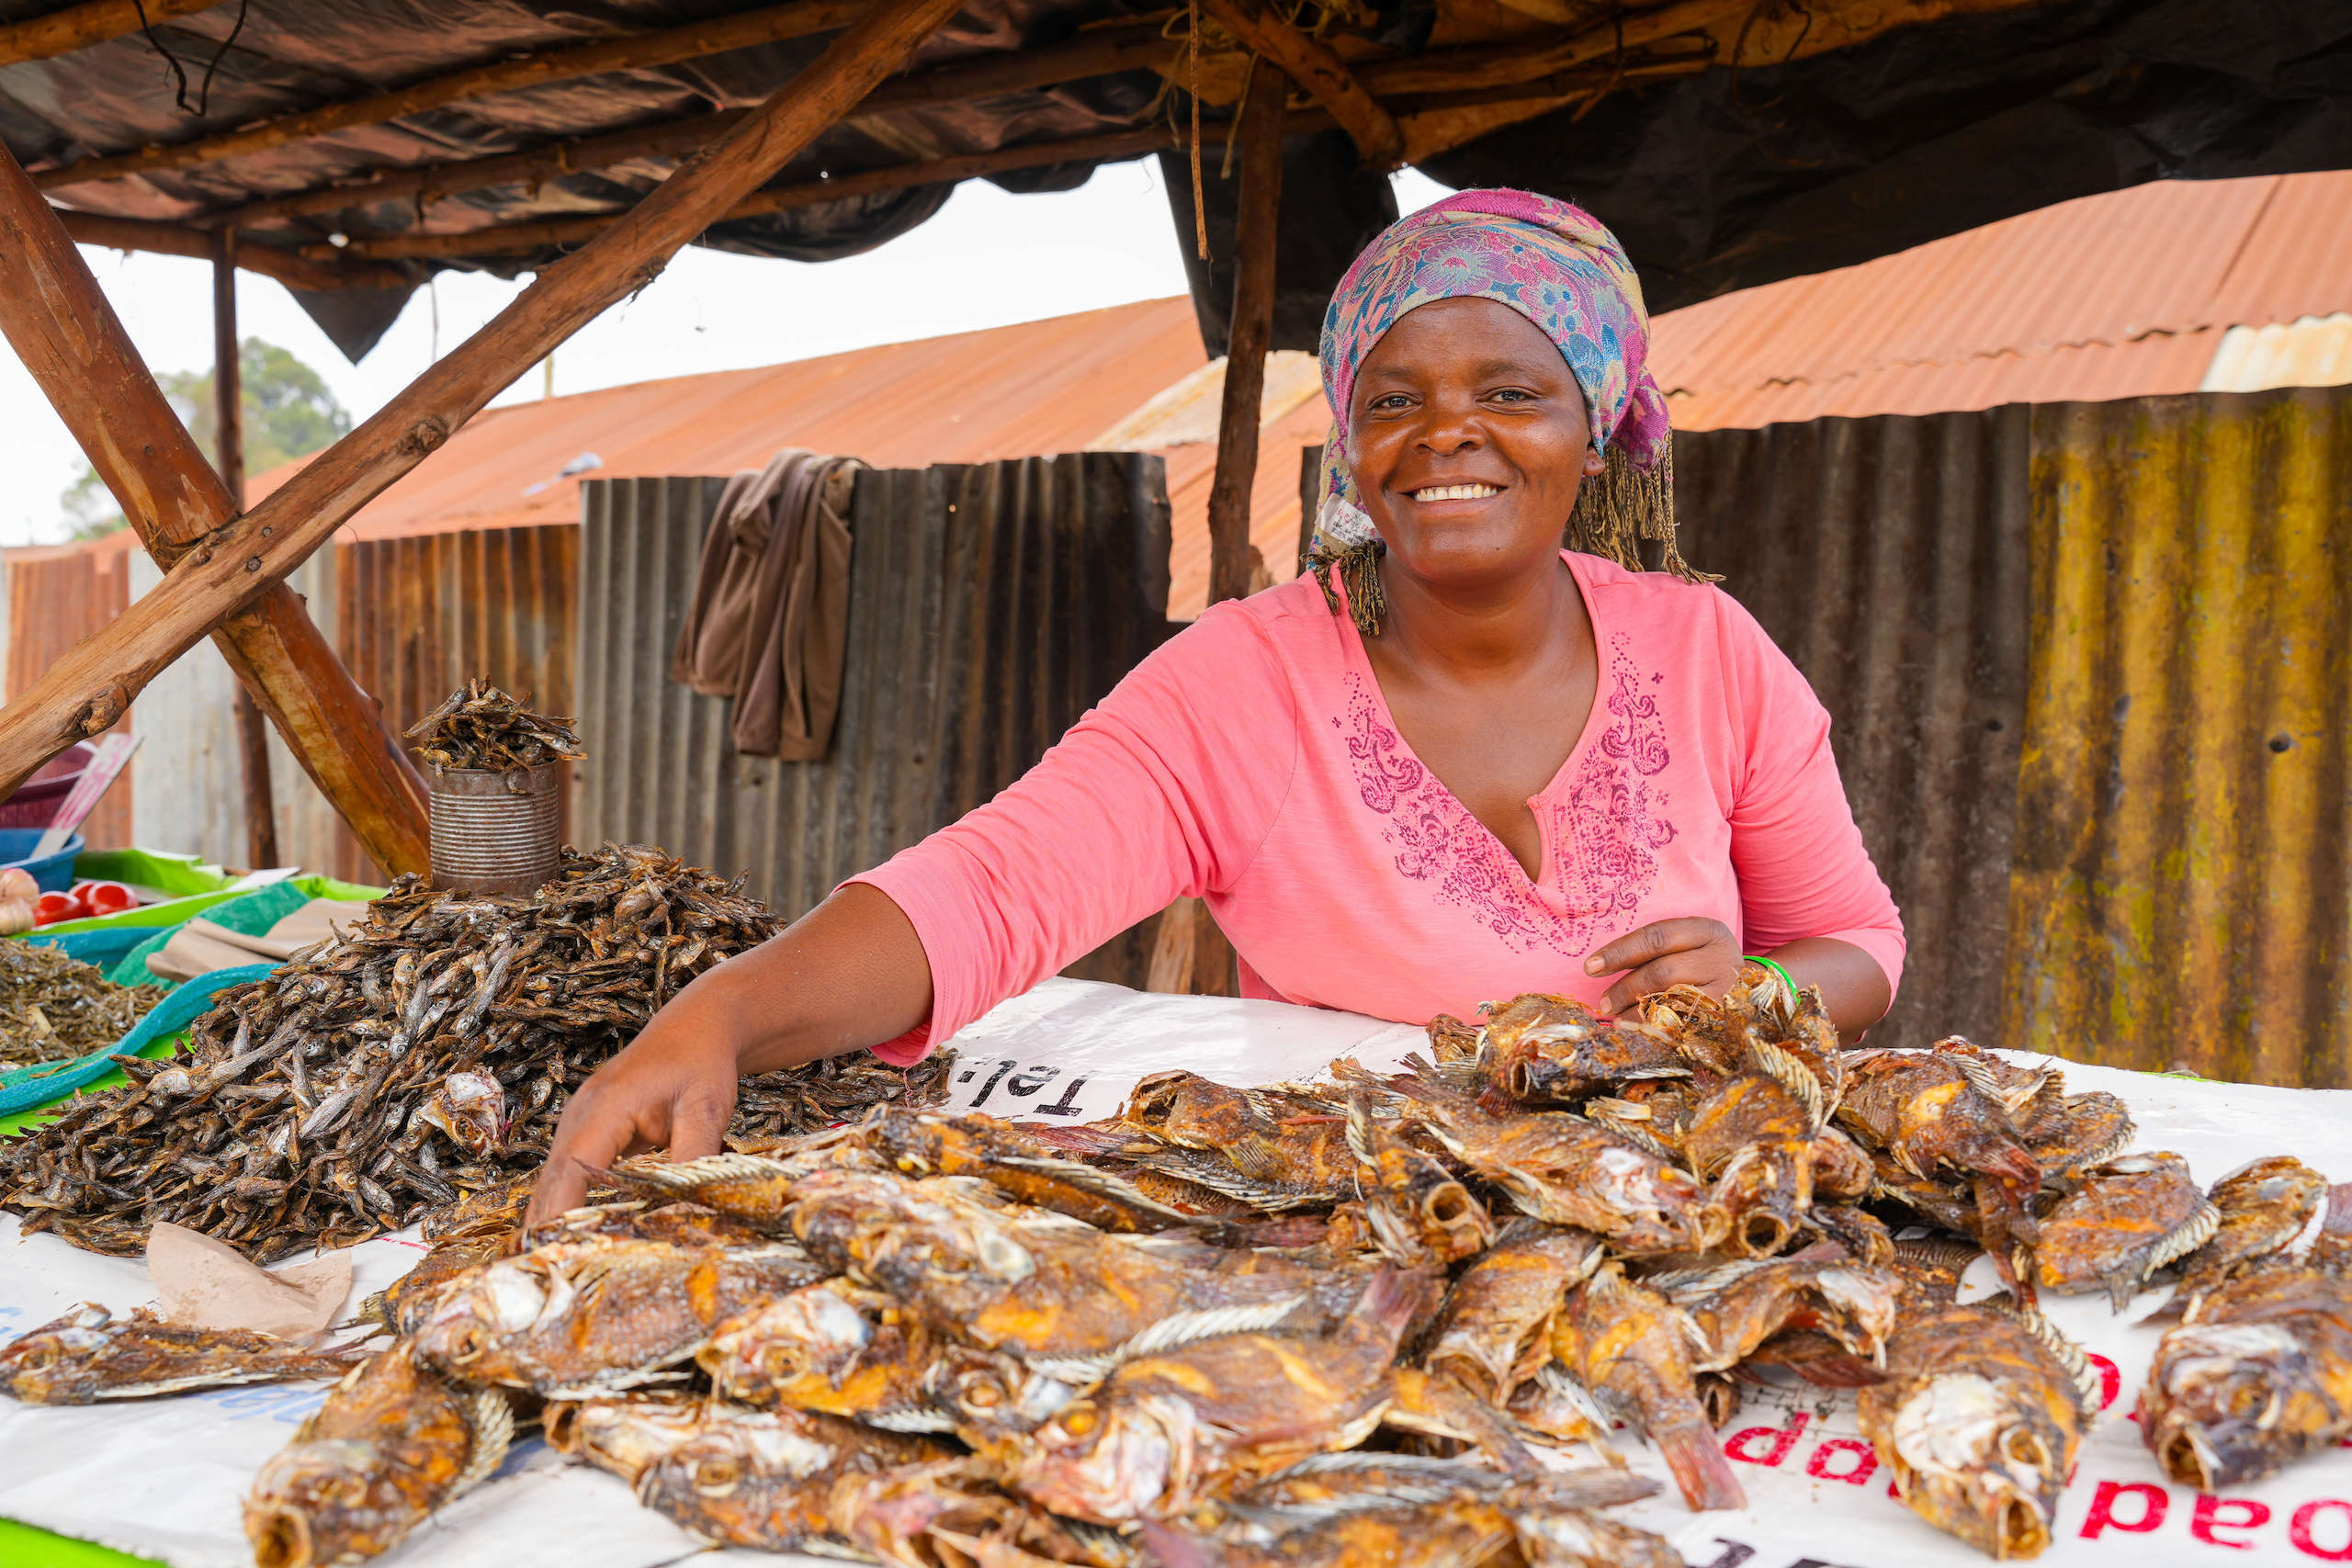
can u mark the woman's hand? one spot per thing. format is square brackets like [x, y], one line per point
[673, 1087]
[1690, 951]
[848, 973]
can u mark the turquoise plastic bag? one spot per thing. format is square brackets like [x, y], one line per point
[24, 1088]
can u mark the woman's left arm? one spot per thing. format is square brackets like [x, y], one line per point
[1703, 953]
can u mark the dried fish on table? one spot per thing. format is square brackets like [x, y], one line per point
[765, 1478]
[89, 1354]
[393, 1443]
[1538, 1047]
[478, 726]
[1632, 1348]
[2262, 1378]
[2269, 1207]
[1495, 1330]
[417, 1063]
[833, 1348]
[1979, 1420]
[624, 1433]
[53, 1009]
[2129, 1217]
[1738, 1306]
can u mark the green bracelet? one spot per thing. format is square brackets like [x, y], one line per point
[1785, 980]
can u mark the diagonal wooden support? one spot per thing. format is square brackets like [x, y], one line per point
[1324, 76]
[79, 27]
[69, 338]
[239, 561]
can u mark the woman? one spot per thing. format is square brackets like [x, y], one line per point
[1460, 764]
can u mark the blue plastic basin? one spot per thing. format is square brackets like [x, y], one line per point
[54, 874]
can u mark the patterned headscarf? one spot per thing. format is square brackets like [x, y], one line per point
[1556, 264]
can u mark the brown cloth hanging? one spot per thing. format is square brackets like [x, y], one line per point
[770, 615]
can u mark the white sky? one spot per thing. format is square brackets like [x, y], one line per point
[988, 259]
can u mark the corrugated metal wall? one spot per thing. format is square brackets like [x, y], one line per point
[57, 597]
[990, 606]
[1887, 556]
[2183, 879]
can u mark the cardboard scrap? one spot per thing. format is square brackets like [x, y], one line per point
[206, 1283]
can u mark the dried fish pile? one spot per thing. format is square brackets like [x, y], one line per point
[480, 726]
[423, 1056]
[53, 1008]
[1341, 1323]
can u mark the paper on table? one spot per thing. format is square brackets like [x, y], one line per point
[206, 1283]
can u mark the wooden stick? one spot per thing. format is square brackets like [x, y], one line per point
[1498, 65]
[78, 27]
[1310, 62]
[229, 447]
[772, 24]
[69, 338]
[1233, 560]
[100, 674]
[289, 268]
[1099, 53]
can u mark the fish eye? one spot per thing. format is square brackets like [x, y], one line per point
[782, 1361]
[1077, 1420]
[986, 1394]
[2027, 1448]
[2247, 1400]
[467, 1344]
[718, 1477]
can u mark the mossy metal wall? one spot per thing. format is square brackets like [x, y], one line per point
[2181, 886]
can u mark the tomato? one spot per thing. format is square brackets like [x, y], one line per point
[106, 897]
[52, 907]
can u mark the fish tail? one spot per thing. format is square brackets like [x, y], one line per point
[1393, 1303]
[1699, 1469]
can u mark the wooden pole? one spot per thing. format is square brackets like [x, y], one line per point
[229, 446]
[1324, 75]
[772, 24]
[69, 339]
[86, 690]
[78, 27]
[1233, 560]
[289, 268]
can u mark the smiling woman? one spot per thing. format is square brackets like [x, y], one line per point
[1463, 765]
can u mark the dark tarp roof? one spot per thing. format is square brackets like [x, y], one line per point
[1716, 183]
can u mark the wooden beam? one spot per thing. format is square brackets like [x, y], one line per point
[78, 27]
[69, 338]
[1099, 53]
[1324, 76]
[772, 24]
[1233, 560]
[289, 267]
[229, 457]
[96, 679]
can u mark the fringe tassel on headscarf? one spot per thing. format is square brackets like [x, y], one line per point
[1624, 505]
[1357, 568]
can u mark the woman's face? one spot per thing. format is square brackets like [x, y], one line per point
[1469, 439]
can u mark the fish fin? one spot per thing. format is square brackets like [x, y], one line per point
[1985, 1077]
[2178, 1243]
[1219, 1177]
[1093, 1179]
[1360, 1130]
[492, 1420]
[1696, 1460]
[1631, 1135]
[689, 1175]
[1171, 1333]
[1783, 1068]
[2063, 1350]
[911, 1418]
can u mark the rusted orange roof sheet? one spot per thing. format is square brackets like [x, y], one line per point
[2115, 296]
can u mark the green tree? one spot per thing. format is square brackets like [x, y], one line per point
[290, 413]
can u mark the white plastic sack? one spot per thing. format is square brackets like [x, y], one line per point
[164, 1478]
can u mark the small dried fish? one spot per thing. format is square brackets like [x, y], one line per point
[2262, 1378]
[53, 1008]
[2129, 1217]
[624, 1433]
[1949, 1113]
[1632, 1349]
[765, 1478]
[1551, 1048]
[89, 1354]
[831, 1347]
[1979, 1421]
[1753, 1135]
[1738, 1306]
[478, 726]
[393, 1443]
[1419, 1213]
[921, 1144]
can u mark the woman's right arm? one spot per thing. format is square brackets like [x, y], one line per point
[848, 973]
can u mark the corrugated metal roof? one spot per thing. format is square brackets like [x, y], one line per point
[2314, 351]
[2114, 296]
[2185, 793]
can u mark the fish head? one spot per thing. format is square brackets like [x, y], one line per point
[954, 1263]
[623, 1435]
[918, 1144]
[1764, 1193]
[478, 1314]
[469, 1108]
[1979, 1460]
[55, 1364]
[1187, 1109]
[1866, 1301]
[2231, 1402]
[1113, 1461]
[1577, 1537]
[325, 1501]
[1661, 1207]
[817, 1332]
[996, 1401]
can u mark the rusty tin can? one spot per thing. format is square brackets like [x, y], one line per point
[496, 832]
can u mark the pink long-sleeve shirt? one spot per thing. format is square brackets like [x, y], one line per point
[1251, 761]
